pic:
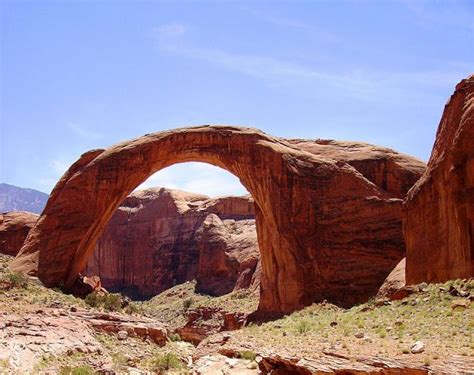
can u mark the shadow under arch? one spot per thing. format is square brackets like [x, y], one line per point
[298, 213]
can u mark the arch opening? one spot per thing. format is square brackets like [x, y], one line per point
[190, 222]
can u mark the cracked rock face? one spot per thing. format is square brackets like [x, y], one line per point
[327, 228]
[439, 210]
[160, 237]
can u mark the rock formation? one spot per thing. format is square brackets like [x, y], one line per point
[325, 230]
[394, 282]
[391, 171]
[14, 227]
[158, 238]
[439, 211]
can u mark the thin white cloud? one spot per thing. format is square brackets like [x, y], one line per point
[271, 17]
[83, 132]
[168, 31]
[57, 167]
[196, 178]
[373, 86]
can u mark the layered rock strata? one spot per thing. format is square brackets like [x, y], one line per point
[158, 238]
[439, 211]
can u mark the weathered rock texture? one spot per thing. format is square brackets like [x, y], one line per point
[14, 227]
[158, 238]
[394, 282]
[439, 211]
[325, 231]
[25, 338]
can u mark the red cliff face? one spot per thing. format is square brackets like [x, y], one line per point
[159, 238]
[439, 210]
[14, 227]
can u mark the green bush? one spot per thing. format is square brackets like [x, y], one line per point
[175, 337]
[18, 280]
[119, 361]
[110, 302]
[303, 326]
[94, 299]
[163, 363]
[248, 354]
[113, 302]
[187, 303]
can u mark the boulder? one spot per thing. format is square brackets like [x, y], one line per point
[14, 227]
[394, 282]
[439, 209]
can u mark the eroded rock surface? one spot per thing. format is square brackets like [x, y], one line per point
[158, 238]
[26, 338]
[394, 282]
[325, 231]
[439, 211]
[14, 227]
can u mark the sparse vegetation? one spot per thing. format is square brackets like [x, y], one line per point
[18, 280]
[303, 326]
[174, 337]
[388, 330]
[187, 303]
[168, 361]
[80, 370]
[109, 302]
[248, 354]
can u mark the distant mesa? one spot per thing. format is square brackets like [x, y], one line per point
[14, 198]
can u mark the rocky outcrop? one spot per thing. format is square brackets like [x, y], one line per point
[14, 227]
[228, 256]
[439, 211]
[26, 338]
[391, 171]
[325, 231]
[394, 282]
[206, 321]
[158, 238]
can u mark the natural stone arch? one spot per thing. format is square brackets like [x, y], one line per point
[324, 230]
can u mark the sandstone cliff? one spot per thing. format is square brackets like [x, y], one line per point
[14, 227]
[439, 211]
[158, 238]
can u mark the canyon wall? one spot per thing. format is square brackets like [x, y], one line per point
[158, 238]
[439, 211]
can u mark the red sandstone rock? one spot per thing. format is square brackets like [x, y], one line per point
[228, 255]
[394, 282]
[14, 227]
[391, 171]
[25, 338]
[206, 321]
[158, 238]
[439, 210]
[324, 230]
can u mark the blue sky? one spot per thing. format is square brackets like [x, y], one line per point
[77, 75]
